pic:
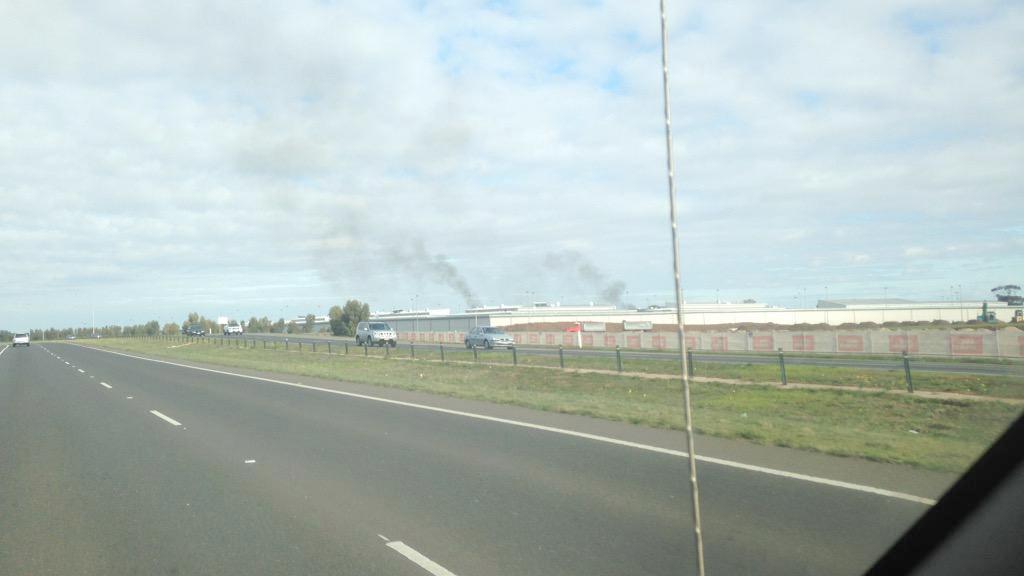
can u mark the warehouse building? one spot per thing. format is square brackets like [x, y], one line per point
[831, 312]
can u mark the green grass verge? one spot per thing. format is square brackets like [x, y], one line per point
[934, 434]
[995, 386]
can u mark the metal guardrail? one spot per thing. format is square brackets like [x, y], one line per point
[568, 358]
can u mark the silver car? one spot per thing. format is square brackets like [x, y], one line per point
[489, 337]
[376, 333]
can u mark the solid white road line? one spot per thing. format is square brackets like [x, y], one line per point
[250, 461]
[383, 537]
[105, 385]
[4, 349]
[419, 559]
[82, 371]
[68, 363]
[165, 418]
[563, 431]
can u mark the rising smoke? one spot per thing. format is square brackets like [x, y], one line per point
[344, 236]
[414, 258]
[579, 269]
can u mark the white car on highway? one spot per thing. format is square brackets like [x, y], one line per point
[20, 340]
[232, 328]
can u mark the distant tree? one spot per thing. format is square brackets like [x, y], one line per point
[293, 327]
[310, 322]
[152, 328]
[352, 314]
[254, 325]
[171, 329]
[337, 324]
[278, 326]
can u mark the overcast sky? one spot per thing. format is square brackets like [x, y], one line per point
[275, 158]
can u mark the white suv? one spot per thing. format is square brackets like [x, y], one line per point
[376, 333]
[20, 340]
[232, 328]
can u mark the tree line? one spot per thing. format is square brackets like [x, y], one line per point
[343, 322]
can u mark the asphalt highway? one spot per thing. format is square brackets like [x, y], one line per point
[112, 465]
[896, 363]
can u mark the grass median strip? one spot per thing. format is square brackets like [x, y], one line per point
[935, 434]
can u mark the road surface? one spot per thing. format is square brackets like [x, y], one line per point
[117, 465]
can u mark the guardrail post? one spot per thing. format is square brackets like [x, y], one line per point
[366, 349]
[515, 357]
[442, 353]
[387, 350]
[285, 344]
[412, 351]
[314, 347]
[300, 346]
[475, 357]
[264, 344]
[782, 367]
[906, 372]
[561, 357]
[328, 348]
[689, 363]
[618, 357]
[346, 348]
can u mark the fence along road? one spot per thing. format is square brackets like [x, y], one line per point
[973, 367]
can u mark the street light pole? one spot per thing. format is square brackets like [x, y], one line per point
[960, 296]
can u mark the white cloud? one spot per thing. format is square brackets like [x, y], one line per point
[147, 149]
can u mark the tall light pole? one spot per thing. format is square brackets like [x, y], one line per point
[698, 536]
[960, 296]
[885, 301]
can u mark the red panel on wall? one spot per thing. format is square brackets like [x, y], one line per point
[851, 343]
[633, 341]
[720, 343]
[899, 343]
[534, 338]
[569, 339]
[549, 339]
[763, 343]
[609, 341]
[803, 342]
[691, 342]
[588, 339]
[658, 341]
[970, 344]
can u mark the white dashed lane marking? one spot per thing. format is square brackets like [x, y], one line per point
[165, 418]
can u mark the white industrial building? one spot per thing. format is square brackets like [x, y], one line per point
[832, 312]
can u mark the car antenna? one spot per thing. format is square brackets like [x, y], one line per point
[698, 535]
